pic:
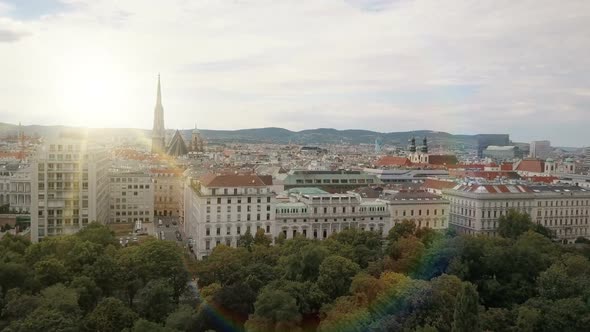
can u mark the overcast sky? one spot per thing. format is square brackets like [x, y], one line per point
[499, 66]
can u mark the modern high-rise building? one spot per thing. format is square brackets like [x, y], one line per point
[540, 149]
[159, 131]
[69, 187]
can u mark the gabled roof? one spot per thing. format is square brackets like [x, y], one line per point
[494, 189]
[392, 161]
[442, 159]
[438, 184]
[177, 146]
[530, 165]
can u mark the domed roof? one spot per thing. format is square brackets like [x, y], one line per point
[549, 160]
[569, 160]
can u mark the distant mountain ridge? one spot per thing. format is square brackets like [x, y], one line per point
[275, 135]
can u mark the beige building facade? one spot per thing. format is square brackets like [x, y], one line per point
[70, 187]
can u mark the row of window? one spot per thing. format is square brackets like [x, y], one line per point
[238, 230]
[419, 212]
[335, 219]
[238, 200]
[333, 181]
[238, 217]
[238, 208]
[238, 191]
[117, 179]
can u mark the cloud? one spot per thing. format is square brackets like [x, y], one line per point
[11, 31]
[458, 65]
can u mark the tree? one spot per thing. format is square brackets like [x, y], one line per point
[155, 300]
[275, 310]
[163, 260]
[261, 239]
[110, 315]
[246, 241]
[19, 305]
[336, 274]
[97, 233]
[406, 253]
[142, 325]
[88, 292]
[466, 316]
[569, 277]
[184, 318]
[14, 275]
[50, 271]
[236, 299]
[515, 223]
[46, 319]
[403, 229]
[129, 272]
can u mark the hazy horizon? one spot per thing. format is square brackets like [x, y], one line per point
[383, 65]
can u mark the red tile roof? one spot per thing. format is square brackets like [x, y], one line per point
[442, 159]
[506, 167]
[392, 161]
[531, 165]
[438, 184]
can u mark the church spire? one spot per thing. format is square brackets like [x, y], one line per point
[158, 131]
[159, 98]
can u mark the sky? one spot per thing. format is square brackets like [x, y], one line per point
[460, 66]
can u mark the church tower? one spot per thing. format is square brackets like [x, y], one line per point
[197, 144]
[158, 131]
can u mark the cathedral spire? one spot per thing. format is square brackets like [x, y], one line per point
[159, 98]
[159, 131]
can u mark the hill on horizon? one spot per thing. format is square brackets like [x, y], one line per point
[273, 135]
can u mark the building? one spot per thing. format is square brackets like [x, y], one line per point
[424, 209]
[219, 208]
[405, 175]
[475, 209]
[177, 146]
[158, 130]
[69, 187]
[330, 181]
[197, 143]
[168, 190]
[20, 190]
[420, 156]
[131, 197]
[5, 175]
[501, 153]
[485, 140]
[567, 166]
[540, 149]
[316, 214]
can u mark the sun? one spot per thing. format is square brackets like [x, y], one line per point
[93, 87]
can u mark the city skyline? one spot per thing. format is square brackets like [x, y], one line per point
[376, 65]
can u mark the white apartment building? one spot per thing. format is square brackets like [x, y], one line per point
[219, 208]
[70, 187]
[20, 190]
[316, 214]
[131, 197]
[4, 186]
[424, 209]
[563, 209]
